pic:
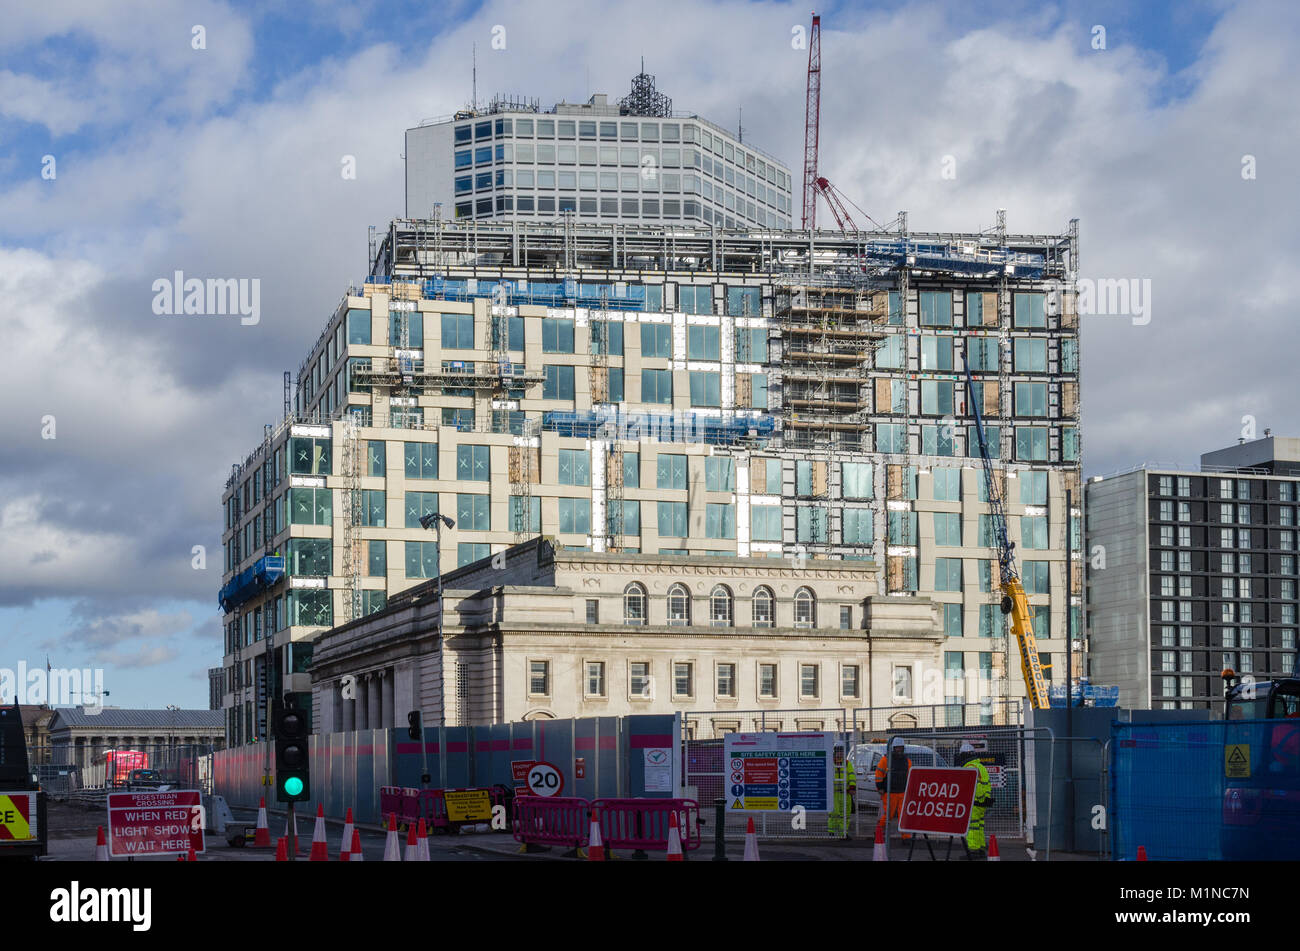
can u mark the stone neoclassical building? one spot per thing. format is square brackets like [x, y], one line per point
[537, 631]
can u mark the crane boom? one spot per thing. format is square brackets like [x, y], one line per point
[812, 124]
[1014, 601]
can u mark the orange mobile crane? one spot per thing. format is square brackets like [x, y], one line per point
[1014, 601]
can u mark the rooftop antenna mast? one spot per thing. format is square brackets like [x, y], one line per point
[473, 103]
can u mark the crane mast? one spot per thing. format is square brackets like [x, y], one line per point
[1014, 601]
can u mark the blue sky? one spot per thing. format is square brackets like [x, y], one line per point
[224, 161]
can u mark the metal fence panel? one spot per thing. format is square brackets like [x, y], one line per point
[704, 769]
[64, 771]
[1001, 749]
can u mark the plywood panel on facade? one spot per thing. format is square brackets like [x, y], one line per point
[1070, 399]
[744, 389]
[990, 309]
[894, 572]
[894, 482]
[819, 480]
[524, 464]
[991, 404]
[599, 385]
[1069, 309]
[883, 393]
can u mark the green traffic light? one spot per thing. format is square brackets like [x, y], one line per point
[293, 786]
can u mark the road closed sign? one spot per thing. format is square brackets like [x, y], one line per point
[545, 780]
[938, 801]
[154, 823]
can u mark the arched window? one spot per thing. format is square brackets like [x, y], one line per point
[634, 604]
[763, 602]
[805, 608]
[679, 605]
[720, 606]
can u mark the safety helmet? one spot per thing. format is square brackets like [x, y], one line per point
[966, 747]
[896, 742]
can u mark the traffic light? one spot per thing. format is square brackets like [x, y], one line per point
[292, 764]
[416, 731]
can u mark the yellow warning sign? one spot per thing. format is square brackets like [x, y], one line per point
[16, 818]
[468, 805]
[1236, 761]
[737, 805]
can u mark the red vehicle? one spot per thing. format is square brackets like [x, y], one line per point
[118, 765]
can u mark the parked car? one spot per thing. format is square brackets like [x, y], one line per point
[865, 756]
[143, 780]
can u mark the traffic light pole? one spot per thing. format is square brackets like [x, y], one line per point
[293, 833]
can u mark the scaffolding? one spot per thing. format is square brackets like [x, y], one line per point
[644, 99]
[828, 335]
[351, 514]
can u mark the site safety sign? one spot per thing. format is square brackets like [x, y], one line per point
[18, 817]
[778, 771]
[938, 800]
[154, 823]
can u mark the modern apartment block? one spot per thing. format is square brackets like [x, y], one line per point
[684, 391]
[1194, 571]
[634, 160]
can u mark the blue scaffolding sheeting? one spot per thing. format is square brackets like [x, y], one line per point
[1084, 694]
[686, 427]
[542, 293]
[251, 581]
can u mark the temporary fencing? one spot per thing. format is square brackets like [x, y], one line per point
[705, 771]
[552, 821]
[1001, 749]
[596, 756]
[642, 824]
[67, 770]
[1206, 790]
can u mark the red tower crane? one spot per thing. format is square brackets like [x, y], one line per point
[812, 124]
[813, 183]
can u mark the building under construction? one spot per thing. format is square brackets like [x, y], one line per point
[672, 390]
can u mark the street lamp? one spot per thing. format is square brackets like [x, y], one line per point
[437, 520]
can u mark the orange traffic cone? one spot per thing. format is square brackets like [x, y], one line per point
[345, 844]
[421, 842]
[190, 856]
[180, 857]
[1142, 853]
[994, 856]
[356, 855]
[392, 848]
[319, 849]
[294, 844]
[281, 850]
[262, 839]
[674, 839]
[751, 842]
[595, 844]
[878, 851]
[101, 847]
[412, 850]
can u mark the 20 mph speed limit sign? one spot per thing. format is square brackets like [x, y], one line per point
[545, 780]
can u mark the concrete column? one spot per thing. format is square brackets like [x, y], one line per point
[349, 709]
[373, 702]
[361, 703]
[390, 715]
